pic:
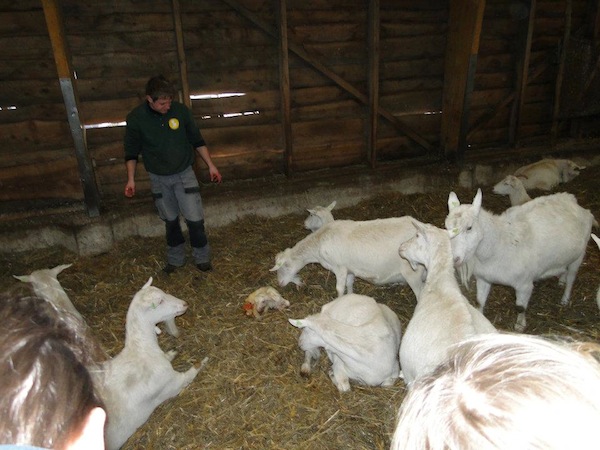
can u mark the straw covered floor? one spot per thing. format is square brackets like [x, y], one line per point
[250, 394]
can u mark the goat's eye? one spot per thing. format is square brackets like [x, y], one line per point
[469, 228]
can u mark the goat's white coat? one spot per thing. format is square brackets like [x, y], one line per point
[361, 338]
[46, 285]
[547, 173]
[319, 216]
[443, 316]
[364, 249]
[513, 187]
[597, 241]
[542, 238]
[141, 377]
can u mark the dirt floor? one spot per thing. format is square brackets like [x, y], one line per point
[250, 395]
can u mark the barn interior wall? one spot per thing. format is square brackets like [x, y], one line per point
[232, 63]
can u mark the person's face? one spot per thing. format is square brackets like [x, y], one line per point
[161, 105]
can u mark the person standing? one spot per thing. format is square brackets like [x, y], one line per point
[165, 133]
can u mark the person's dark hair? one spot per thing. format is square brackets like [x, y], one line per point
[158, 87]
[46, 390]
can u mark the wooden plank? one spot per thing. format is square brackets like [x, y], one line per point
[373, 80]
[464, 30]
[284, 87]
[65, 74]
[181, 57]
[483, 119]
[22, 182]
[321, 67]
[561, 70]
[522, 67]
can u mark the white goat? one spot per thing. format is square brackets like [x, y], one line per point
[597, 241]
[547, 173]
[364, 249]
[141, 377]
[513, 187]
[542, 238]
[319, 216]
[361, 338]
[46, 285]
[443, 316]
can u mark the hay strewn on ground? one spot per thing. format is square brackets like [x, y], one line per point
[250, 394]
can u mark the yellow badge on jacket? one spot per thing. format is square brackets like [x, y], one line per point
[173, 124]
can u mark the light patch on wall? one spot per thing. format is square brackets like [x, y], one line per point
[193, 97]
[7, 108]
[217, 95]
[105, 125]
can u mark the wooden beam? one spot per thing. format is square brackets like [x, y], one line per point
[181, 58]
[523, 61]
[373, 81]
[561, 72]
[67, 84]
[487, 116]
[321, 67]
[284, 86]
[462, 47]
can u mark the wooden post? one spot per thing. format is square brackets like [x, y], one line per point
[373, 80]
[561, 73]
[522, 75]
[464, 30]
[67, 80]
[181, 59]
[284, 86]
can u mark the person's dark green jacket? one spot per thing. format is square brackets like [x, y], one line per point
[167, 142]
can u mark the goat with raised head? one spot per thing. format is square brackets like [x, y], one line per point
[141, 377]
[319, 216]
[542, 238]
[443, 316]
[361, 338]
[513, 187]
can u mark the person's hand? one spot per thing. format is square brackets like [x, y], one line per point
[215, 176]
[129, 190]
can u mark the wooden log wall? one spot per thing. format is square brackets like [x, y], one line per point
[257, 118]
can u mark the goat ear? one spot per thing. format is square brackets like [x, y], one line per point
[477, 201]
[59, 269]
[453, 201]
[332, 205]
[148, 283]
[23, 278]
[418, 226]
[298, 323]
[311, 211]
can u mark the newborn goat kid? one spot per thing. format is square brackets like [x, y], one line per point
[141, 377]
[361, 338]
[443, 316]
